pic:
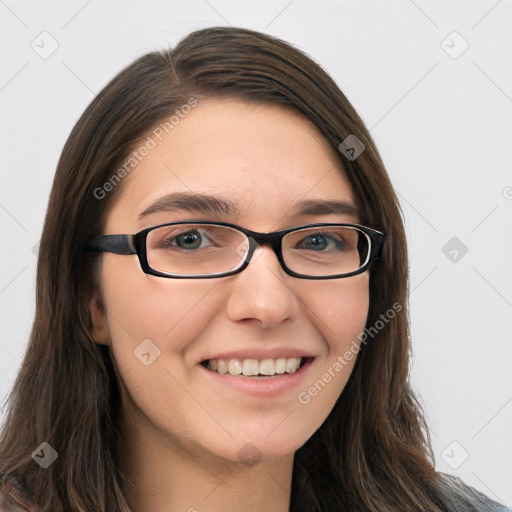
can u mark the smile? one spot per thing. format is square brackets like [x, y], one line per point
[267, 382]
[254, 367]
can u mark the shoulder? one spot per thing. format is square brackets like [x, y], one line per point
[13, 499]
[459, 496]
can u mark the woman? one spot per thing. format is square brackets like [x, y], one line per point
[181, 357]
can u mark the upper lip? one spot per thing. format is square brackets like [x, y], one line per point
[261, 353]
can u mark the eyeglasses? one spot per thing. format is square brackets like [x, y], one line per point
[203, 249]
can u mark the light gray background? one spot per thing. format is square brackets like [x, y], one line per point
[443, 127]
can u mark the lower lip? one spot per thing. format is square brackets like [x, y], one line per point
[266, 387]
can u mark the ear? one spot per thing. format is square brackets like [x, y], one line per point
[100, 332]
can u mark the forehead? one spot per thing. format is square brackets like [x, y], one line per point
[261, 158]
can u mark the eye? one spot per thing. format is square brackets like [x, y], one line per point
[322, 241]
[187, 240]
[190, 240]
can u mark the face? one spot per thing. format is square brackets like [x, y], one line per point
[265, 160]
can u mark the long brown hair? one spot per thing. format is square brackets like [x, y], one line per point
[372, 453]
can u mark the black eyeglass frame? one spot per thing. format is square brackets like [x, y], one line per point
[136, 244]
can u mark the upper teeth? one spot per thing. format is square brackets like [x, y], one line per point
[250, 367]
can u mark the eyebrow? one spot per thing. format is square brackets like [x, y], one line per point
[192, 202]
[324, 207]
[211, 204]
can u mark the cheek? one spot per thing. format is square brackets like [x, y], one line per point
[152, 324]
[140, 306]
[339, 310]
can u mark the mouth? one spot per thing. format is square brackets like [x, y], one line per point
[259, 378]
[260, 369]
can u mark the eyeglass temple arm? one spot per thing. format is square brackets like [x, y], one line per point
[378, 243]
[117, 244]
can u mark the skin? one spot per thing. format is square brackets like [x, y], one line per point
[182, 433]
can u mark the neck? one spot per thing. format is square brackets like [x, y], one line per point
[163, 474]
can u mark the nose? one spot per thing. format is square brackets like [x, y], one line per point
[262, 291]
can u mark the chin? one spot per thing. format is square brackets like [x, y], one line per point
[252, 450]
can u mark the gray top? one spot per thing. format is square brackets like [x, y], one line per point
[459, 497]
